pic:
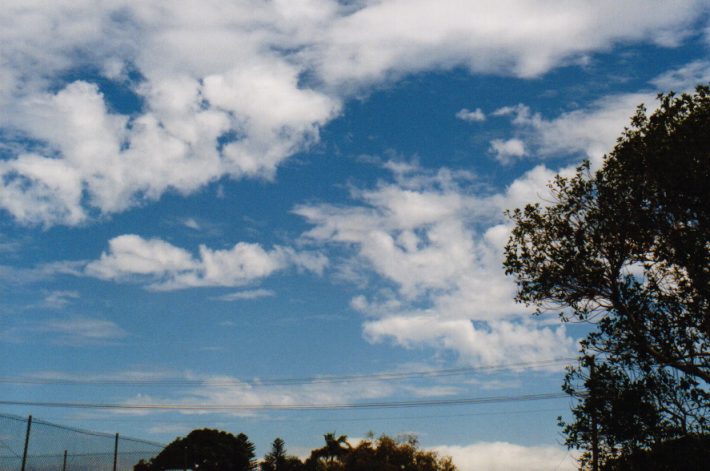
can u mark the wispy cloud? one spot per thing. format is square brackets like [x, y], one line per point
[591, 131]
[42, 272]
[59, 299]
[246, 295]
[71, 331]
[214, 391]
[191, 223]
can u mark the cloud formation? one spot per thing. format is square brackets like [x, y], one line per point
[588, 132]
[248, 294]
[232, 89]
[476, 115]
[167, 267]
[438, 248]
[72, 331]
[503, 456]
[507, 151]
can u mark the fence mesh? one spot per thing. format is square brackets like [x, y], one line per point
[55, 447]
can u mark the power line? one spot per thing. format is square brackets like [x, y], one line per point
[292, 407]
[393, 376]
[143, 418]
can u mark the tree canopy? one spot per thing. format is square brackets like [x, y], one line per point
[215, 450]
[627, 249]
[278, 460]
[206, 449]
[384, 454]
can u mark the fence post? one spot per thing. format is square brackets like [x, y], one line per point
[27, 443]
[64, 465]
[115, 454]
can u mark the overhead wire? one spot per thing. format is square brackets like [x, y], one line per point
[262, 382]
[291, 407]
[175, 420]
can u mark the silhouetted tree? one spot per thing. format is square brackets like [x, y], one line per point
[329, 457]
[690, 453]
[278, 460]
[627, 248]
[206, 449]
[383, 454]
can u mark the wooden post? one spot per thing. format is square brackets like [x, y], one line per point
[27, 443]
[64, 465]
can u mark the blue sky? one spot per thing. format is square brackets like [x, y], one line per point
[197, 198]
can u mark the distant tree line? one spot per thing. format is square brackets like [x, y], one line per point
[214, 450]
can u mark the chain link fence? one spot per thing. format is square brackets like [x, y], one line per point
[29, 444]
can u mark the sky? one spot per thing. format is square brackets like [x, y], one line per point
[301, 202]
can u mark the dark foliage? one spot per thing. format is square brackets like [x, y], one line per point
[278, 460]
[690, 453]
[627, 249]
[384, 453]
[206, 449]
[213, 450]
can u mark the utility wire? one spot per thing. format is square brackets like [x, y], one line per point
[292, 407]
[393, 376]
[145, 418]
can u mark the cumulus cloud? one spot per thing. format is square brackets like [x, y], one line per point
[167, 267]
[235, 88]
[476, 115]
[217, 100]
[503, 456]
[507, 151]
[438, 246]
[590, 132]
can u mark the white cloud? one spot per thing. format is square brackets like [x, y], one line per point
[59, 299]
[191, 223]
[589, 132]
[223, 86]
[247, 295]
[524, 38]
[503, 456]
[684, 78]
[227, 391]
[435, 247]
[506, 151]
[495, 343]
[218, 100]
[167, 267]
[476, 115]
[83, 329]
[130, 255]
[13, 275]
